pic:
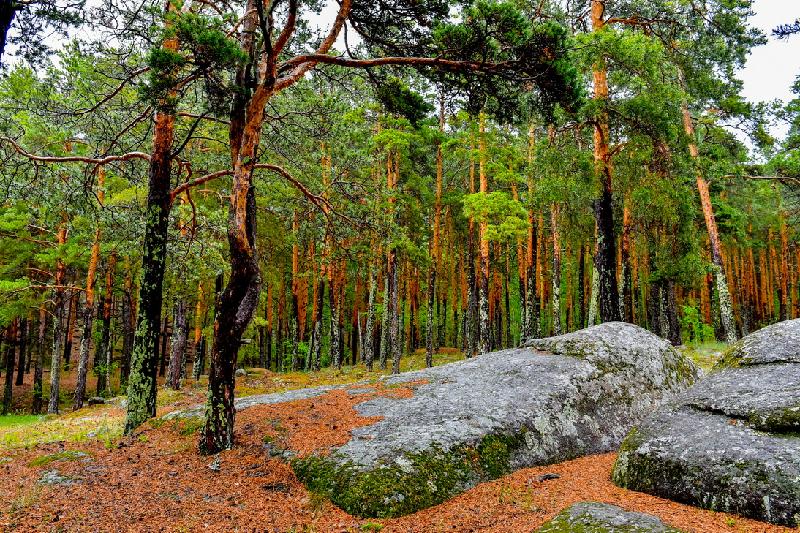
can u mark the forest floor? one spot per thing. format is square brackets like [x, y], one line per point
[76, 472]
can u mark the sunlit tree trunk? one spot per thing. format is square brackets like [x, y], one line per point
[784, 299]
[199, 340]
[384, 347]
[393, 336]
[239, 299]
[88, 314]
[471, 325]
[725, 303]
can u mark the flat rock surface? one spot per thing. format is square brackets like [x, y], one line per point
[730, 443]
[593, 517]
[261, 399]
[478, 419]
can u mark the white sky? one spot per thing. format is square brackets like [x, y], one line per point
[772, 68]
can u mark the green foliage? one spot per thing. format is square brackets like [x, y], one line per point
[507, 218]
[398, 99]
[694, 329]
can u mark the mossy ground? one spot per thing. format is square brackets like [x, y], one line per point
[66, 455]
[707, 354]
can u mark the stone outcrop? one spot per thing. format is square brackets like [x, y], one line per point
[730, 443]
[470, 421]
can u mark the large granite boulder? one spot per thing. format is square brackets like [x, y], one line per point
[479, 419]
[593, 517]
[732, 442]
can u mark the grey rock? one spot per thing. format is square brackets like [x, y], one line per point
[473, 420]
[779, 343]
[593, 517]
[53, 477]
[730, 442]
[240, 373]
[257, 399]
[359, 391]
[96, 400]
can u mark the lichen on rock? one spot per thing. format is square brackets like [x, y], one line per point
[730, 443]
[594, 517]
[479, 419]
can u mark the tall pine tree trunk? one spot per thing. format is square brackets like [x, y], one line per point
[239, 300]
[36, 407]
[369, 350]
[128, 316]
[58, 333]
[88, 310]
[532, 327]
[237, 304]
[180, 333]
[144, 356]
[435, 245]
[393, 326]
[23, 345]
[483, 238]
[606, 255]
[105, 352]
[554, 215]
[627, 278]
[725, 303]
[199, 311]
[11, 341]
[69, 327]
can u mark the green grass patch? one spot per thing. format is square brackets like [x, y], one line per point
[7, 421]
[190, 426]
[64, 428]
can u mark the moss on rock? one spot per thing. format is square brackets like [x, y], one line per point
[592, 517]
[413, 481]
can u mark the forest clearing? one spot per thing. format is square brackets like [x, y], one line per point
[462, 265]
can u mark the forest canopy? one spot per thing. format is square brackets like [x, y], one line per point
[192, 187]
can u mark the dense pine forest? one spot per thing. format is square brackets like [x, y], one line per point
[194, 191]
